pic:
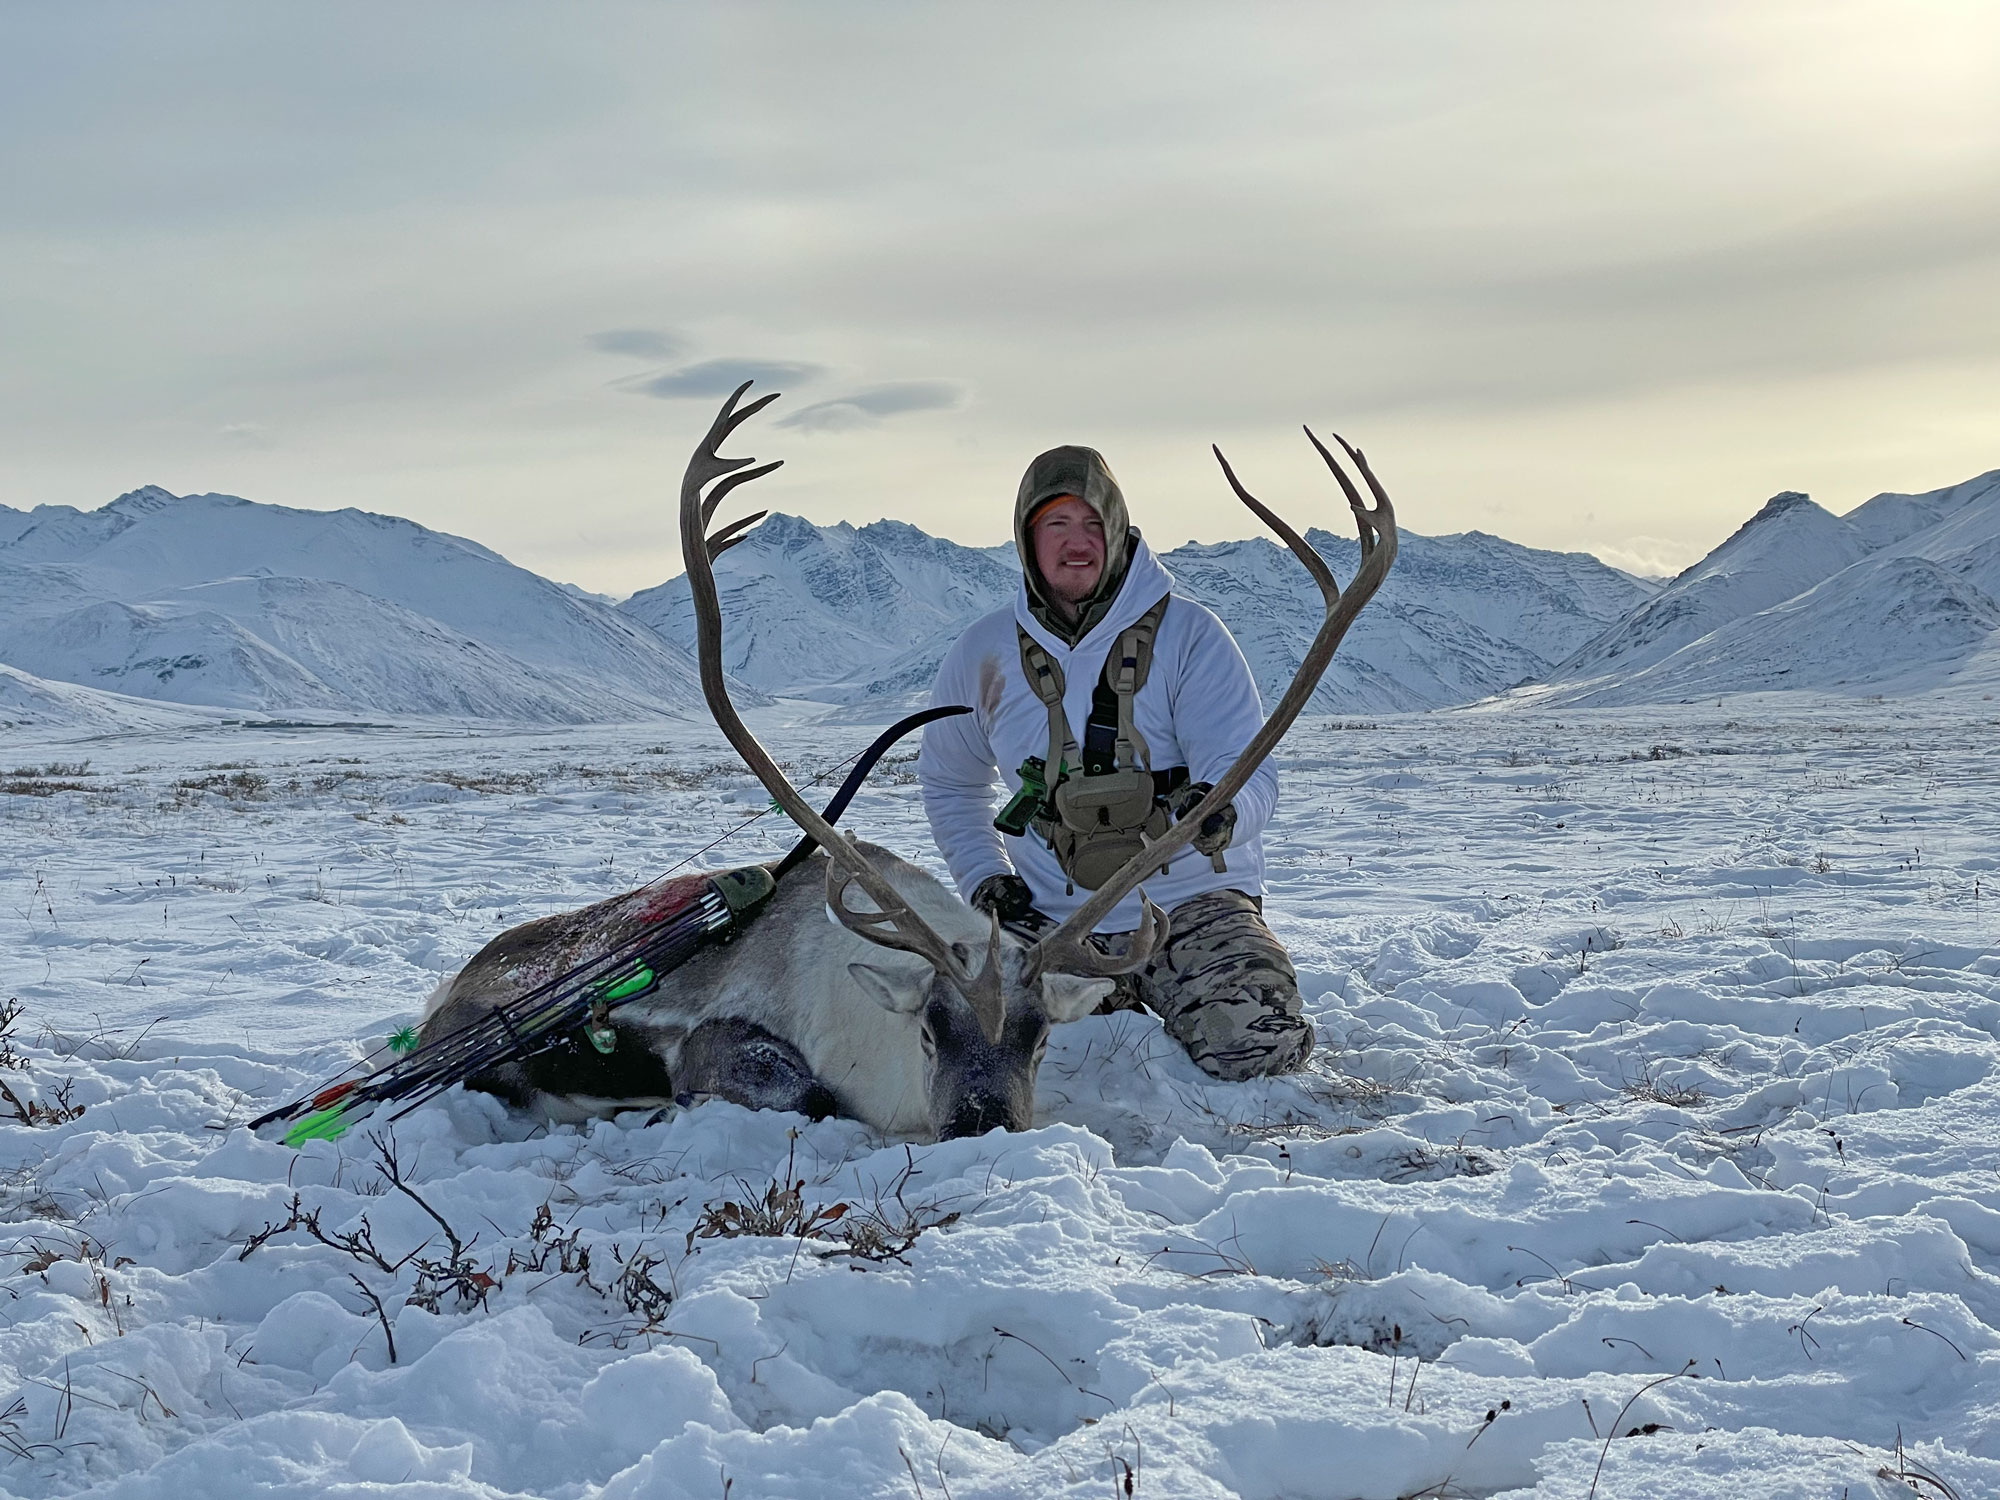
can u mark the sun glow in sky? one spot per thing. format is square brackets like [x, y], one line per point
[1587, 276]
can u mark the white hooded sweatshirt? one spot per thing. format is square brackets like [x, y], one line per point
[1198, 709]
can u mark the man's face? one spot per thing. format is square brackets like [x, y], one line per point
[1069, 549]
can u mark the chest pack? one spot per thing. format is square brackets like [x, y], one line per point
[1097, 805]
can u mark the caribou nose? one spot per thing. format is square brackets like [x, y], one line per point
[977, 1116]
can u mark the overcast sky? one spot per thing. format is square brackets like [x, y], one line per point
[1586, 275]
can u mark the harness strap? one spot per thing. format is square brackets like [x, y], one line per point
[1130, 664]
[1110, 727]
[1046, 678]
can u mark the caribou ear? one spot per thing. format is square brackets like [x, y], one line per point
[898, 990]
[1071, 997]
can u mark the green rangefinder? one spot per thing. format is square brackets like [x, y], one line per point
[1024, 804]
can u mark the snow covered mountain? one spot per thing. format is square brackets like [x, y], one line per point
[1899, 595]
[219, 602]
[1788, 546]
[1459, 618]
[212, 599]
[1889, 518]
[837, 612]
[862, 616]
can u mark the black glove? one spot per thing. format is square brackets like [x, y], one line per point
[1004, 896]
[1217, 829]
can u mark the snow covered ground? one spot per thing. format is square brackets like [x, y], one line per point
[1653, 1151]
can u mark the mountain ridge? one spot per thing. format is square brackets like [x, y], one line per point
[214, 601]
[1903, 591]
[852, 616]
[218, 600]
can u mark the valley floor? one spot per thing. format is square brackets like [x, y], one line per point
[1653, 1149]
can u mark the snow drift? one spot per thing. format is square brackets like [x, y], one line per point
[30, 702]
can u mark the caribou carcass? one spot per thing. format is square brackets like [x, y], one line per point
[864, 987]
[800, 1013]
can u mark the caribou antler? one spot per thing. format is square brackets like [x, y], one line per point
[892, 923]
[1066, 950]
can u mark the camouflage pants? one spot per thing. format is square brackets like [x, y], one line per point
[1225, 988]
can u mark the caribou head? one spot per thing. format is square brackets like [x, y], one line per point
[985, 999]
[981, 1043]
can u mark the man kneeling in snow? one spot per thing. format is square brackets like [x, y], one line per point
[1174, 700]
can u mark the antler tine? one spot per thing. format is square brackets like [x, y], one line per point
[721, 491]
[984, 995]
[728, 420]
[1073, 955]
[1364, 519]
[1375, 488]
[899, 927]
[1347, 488]
[1361, 462]
[721, 541]
[705, 463]
[1315, 564]
[1377, 529]
[877, 926]
[893, 915]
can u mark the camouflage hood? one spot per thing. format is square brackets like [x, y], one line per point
[1082, 472]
